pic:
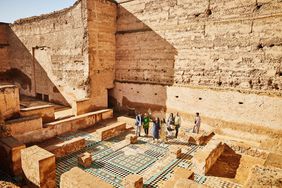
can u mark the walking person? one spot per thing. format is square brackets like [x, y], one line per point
[146, 122]
[177, 123]
[138, 123]
[197, 125]
[156, 129]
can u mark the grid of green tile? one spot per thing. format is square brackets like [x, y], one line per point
[132, 163]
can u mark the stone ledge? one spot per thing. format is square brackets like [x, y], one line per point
[76, 177]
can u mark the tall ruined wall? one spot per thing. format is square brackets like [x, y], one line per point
[4, 60]
[49, 54]
[226, 58]
[101, 32]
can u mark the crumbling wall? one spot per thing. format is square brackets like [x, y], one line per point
[51, 52]
[226, 58]
[4, 60]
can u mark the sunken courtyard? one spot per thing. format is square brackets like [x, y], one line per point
[77, 85]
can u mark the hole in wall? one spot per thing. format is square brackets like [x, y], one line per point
[177, 97]
[200, 98]
[208, 12]
[156, 94]
[258, 6]
[280, 73]
[240, 102]
[197, 15]
[259, 46]
[276, 86]
[138, 92]
[271, 45]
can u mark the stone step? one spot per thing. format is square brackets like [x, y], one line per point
[61, 148]
[111, 130]
[72, 124]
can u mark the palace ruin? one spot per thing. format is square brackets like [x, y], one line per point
[71, 82]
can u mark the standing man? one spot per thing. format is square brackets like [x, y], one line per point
[138, 123]
[197, 125]
[146, 124]
[177, 123]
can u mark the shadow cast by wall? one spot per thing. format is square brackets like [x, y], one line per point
[29, 75]
[144, 66]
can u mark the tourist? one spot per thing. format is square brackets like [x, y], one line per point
[138, 123]
[197, 125]
[177, 122]
[156, 129]
[146, 121]
[170, 124]
[163, 130]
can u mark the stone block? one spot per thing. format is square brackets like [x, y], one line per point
[130, 122]
[39, 167]
[24, 125]
[9, 101]
[205, 158]
[85, 159]
[132, 139]
[64, 148]
[261, 176]
[76, 177]
[46, 112]
[182, 182]
[10, 155]
[176, 151]
[183, 173]
[111, 130]
[200, 139]
[133, 181]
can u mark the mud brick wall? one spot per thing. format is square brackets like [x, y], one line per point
[221, 58]
[9, 102]
[4, 60]
[101, 32]
[49, 53]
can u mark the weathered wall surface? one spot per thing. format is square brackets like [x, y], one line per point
[4, 60]
[101, 32]
[226, 58]
[50, 54]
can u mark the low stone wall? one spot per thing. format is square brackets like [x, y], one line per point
[10, 155]
[83, 106]
[67, 147]
[204, 159]
[72, 124]
[24, 125]
[9, 101]
[76, 177]
[46, 112]
[111, 130]
[39, 167]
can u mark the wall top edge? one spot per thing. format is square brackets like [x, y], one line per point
[45, 16]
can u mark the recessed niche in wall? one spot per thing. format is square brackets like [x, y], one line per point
[200, 98]
[176, 96]
[240, 102]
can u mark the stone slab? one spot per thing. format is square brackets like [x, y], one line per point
[133, 181]
[111, 130]
[24, 125]
[76, 177]
[46, 112]
[10, 155]
[200, 139]
[39, 167]
[64, 148]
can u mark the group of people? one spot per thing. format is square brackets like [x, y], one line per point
[163, 128]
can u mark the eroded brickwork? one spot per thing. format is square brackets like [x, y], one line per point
[51, 50]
